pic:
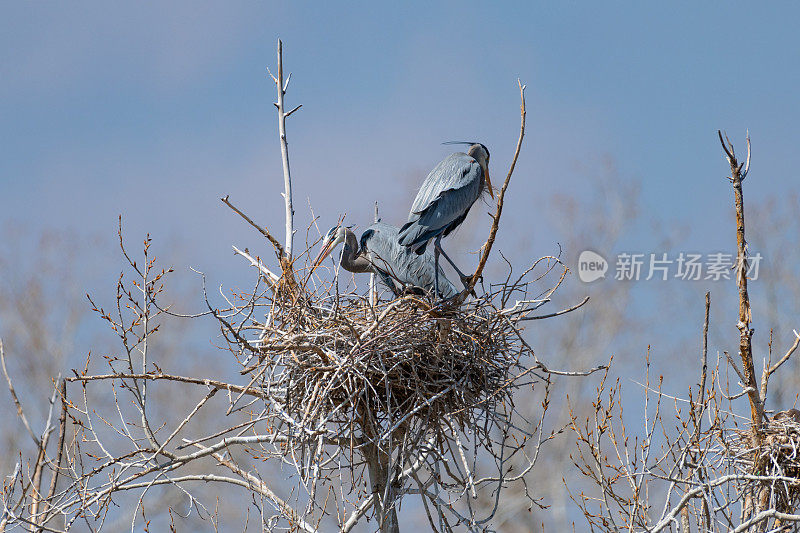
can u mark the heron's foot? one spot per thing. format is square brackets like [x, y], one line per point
[466, 280]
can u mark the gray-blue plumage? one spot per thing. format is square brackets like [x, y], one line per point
[379, 252]
[445, 197]
[444, 200]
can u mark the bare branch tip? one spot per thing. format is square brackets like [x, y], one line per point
[292, 111]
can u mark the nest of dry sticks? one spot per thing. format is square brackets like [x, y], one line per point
[395, 365]
[778, 457]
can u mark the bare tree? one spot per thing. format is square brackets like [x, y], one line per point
[35, 270]
[281, 87]
[608, 324]
[360, 402]
[704, 466]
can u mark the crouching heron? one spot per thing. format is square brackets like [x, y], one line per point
[380, 253]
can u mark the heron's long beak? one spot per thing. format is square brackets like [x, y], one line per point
[327, 247]
[488, 181]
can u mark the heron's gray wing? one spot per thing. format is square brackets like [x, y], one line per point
[380, 237]
[389, 282]
[425, 266]
[400, 263]
[449, 207]
[379, 242]
[454, 172]
[446, 288]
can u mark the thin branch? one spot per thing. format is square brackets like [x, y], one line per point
[765, 375]
[745, 316]
[219, 385]
[487, 247]
[747, 160]
[358, 513]
[704, 352]
[17, 403]
[557, 313]
[271, 276]
[62, 429]
[277, 245]
[766, 515]
[287, 178]
[263, 489]
[293, 110]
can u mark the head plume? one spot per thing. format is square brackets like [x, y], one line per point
[469, 143]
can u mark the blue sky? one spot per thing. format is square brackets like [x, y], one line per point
[156, 110]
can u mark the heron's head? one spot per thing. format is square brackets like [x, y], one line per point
[481, 155]
[335, 235]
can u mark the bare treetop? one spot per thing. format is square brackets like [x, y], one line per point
[363, 401]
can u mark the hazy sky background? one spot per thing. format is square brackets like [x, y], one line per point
[155, 110]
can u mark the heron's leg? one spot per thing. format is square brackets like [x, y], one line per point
[437, 247]
[436, 272]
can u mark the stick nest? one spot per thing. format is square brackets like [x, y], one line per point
[778, 456]
[399, 363]
[335, 370]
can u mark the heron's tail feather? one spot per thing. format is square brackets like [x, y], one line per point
[447, 289]
[415, 236]
[404, 233]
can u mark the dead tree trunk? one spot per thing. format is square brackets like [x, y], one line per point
[383, 489]
[758, 500]
[287, 177]
[738, 173]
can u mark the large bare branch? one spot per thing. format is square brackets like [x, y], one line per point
[487, 247]
[287, 178]
[745, 316]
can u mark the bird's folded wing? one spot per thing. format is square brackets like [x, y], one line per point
[454, 172]
[451, 205]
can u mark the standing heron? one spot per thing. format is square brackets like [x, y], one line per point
[381, 254]
[444, 200]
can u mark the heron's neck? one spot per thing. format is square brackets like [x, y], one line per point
[479, 156]
[475, 152]
[353, 259]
